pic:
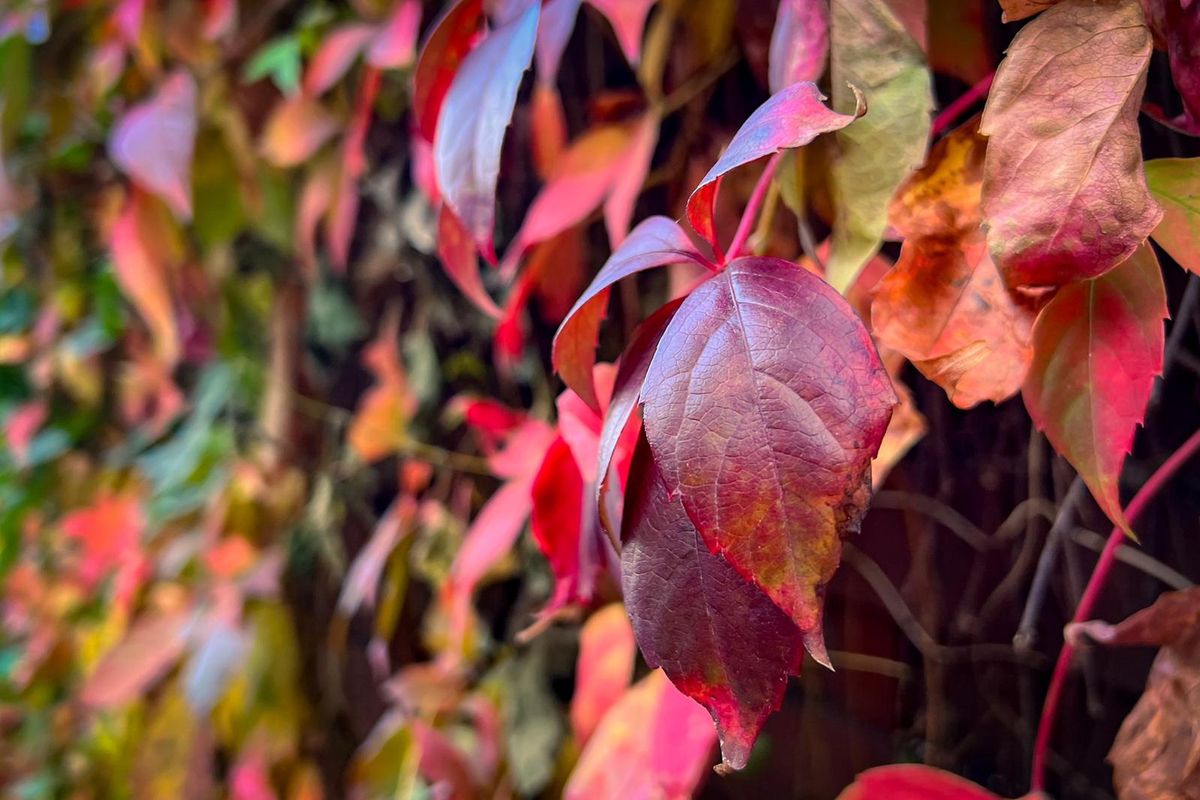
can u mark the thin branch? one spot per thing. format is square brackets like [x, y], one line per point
[1063, 523]
[750, 214]
[1091, 594]
[936, 510]
[1137, 559]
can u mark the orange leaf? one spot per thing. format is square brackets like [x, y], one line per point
[295, 130]
[606, 655]
[380, 425]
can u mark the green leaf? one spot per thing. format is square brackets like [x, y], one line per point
[872, 51]
[279, 60]
[1175, 184]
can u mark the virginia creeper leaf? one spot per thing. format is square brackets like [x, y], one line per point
[655, 242]
[1020, 9]
[764, 404]
[790, 118]
[653, 743]
[380, 425]
[295, 131]
[736, 649]
[335, 56]
[1176, 23]
[459, 259]
[942, 198]
[148, 651]
[627, 388]
[946, 308]
[153, 143]
[1154, 752]
[1175, 184]
[799, 43]
[604, 668]
[618, 208]
[913, 782]
[628, 19]
[1064, 194]
[870, 49]
[474, 115]
[1098, 346]
[395, 44]
[450, 39]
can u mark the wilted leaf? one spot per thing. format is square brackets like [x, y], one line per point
[792, 117]
[912, 782]
[153, 143]
[1175, 184]
[473, 118]
[942, 198]
[946, 308]
[669, 575]
[764, 405]
[871, 51]
[1064, 195]
[1098, 345]
[1154, 754]
[653, 743]
[605, 667]
[655, 242]
[295, 131]
[1020, 9]
[799, 43]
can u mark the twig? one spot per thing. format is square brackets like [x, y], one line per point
[1087, 603]
[904, 618]
[936, 510]
[1027, 628]
[746, 225]
[695, 86]
[1131, 556]
[960, 104]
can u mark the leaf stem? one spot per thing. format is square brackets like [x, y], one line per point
[950, 113]
[1037, 780]
[746, 225]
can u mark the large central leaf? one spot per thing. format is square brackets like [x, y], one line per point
[764, 404]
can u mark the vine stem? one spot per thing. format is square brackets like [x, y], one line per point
[950, 113]
[746, 225]
[1095, 584]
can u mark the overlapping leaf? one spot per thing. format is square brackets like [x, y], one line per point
[1175, 184]
[155, 140]
[1064, 195]
[764, 405]
[1098, 345]
[605, 666]
[799, 43]
[913, 782]
[736, 649]
[871, 49]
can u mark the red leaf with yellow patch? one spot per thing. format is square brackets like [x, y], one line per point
[764, 405]
[736, 650]
[1098, 345]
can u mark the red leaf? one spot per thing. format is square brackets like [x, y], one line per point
[618, 208]
[452, 37]
[604, 668]
[736, 650]
[628, 18]
[335, 55]
[1098, 346]
[655, 242]
[474, 116]
[792, 117]
[654, 743]
[618, 433]
[21, 426]
[295, 130]
[154, 141]
[147, 652]
[913, 782]
[764, 405]
[1064, 193]
[458, 257]
[395, 45]
[145, 251]
[220, 17]
[799, 43]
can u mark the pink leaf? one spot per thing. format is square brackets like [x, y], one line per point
[335, 55]
[473, 119]
[154, 141]
[554, 31]
[452, 37]
[799, 43]
[605, 666]
[145, 655]
[628, 19]
[457, 253]
[395, 45]
[792, 117]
